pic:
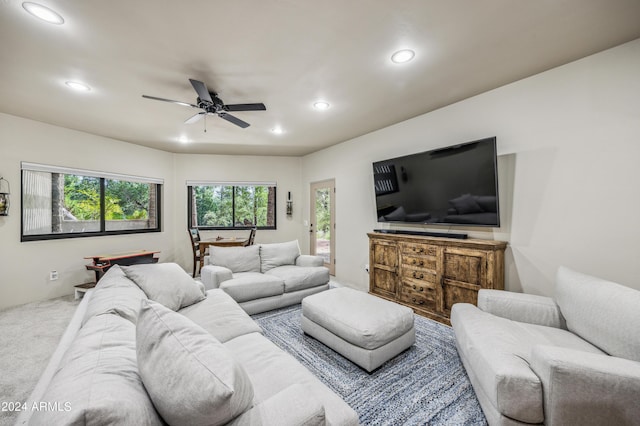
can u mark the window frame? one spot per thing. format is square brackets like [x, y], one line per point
[103, 177]
[191, 184]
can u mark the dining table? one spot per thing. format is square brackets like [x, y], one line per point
[220, 242]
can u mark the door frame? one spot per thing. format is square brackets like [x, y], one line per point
[313, 186]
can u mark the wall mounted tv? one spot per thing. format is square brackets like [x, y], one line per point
[455, 185]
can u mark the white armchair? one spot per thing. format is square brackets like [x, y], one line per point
[568, 360]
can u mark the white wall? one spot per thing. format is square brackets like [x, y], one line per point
[569, 153]
[285, 171]
[24, 267]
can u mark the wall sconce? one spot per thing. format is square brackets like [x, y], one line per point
[289, 204]
[4, 197]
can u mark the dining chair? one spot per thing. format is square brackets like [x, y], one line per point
[252, 236]
[194, 234]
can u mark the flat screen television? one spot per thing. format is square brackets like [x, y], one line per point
[455, 185]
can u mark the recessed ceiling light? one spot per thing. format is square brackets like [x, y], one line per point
[76, 85]
[278, 130]
[402, 56]
[321, 105]
[43, 12]
[183, 139]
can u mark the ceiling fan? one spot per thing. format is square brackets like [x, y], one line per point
[210, 103]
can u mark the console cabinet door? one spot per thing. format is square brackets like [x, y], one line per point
[464, 273]
[383, 268]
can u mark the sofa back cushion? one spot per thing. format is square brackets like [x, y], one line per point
[191, 377]
[166, 283]
[97, 381]
[278, 254]
[236, 259]
[603, 313]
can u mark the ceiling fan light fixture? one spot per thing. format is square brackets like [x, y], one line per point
[321, 105]
[43, 12]
[78, 86]
[402, 56]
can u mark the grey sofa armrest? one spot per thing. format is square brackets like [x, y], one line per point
[309, 260]
[521, 307]
[212, 276]
[582, 388]
[291, 406]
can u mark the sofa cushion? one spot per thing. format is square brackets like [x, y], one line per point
[191, 377]
[278, 254]
[272, 370]
[291, 406]
[252, 285]
[166, 283]
[236, 259]
[300, 277]
[97, 380]
[115, 294]
[602, 312]
[221, 316]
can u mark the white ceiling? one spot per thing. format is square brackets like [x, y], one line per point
[286, 54]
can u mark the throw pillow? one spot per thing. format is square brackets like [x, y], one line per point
[166, 283]
[190, 376]
[278, 254]
[115, 294]
[237, 259]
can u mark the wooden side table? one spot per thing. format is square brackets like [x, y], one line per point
[81, 289]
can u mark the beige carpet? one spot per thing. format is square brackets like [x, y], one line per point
[28, 336]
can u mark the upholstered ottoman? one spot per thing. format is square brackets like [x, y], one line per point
[363, 328]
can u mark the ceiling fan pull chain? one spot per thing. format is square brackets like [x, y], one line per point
[205, 122]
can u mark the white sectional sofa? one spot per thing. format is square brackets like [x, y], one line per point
[148, 346]
[265, 276]
[569, 360]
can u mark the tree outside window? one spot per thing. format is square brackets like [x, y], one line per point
[224, 206]
[63, 205]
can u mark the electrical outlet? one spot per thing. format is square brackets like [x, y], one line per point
[53, 275]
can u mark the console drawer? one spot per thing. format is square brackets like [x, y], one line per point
[419, 276]
[418, 295]
[419, 262]
[418, 249]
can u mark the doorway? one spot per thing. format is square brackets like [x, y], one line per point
[322, 224]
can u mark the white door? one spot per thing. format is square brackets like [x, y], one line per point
[322, 222]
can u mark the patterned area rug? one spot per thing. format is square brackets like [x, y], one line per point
[424, 385]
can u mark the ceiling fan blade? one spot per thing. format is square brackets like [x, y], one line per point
[245, 107]
[235, 120]
[169, 100]
[194, 118]
[201, 90]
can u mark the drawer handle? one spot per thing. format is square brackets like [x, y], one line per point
[421, 288]
[419, 276]
[414, 286]
[419, 302]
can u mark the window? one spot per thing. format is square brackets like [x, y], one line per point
[242, 205]
[59, 202]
